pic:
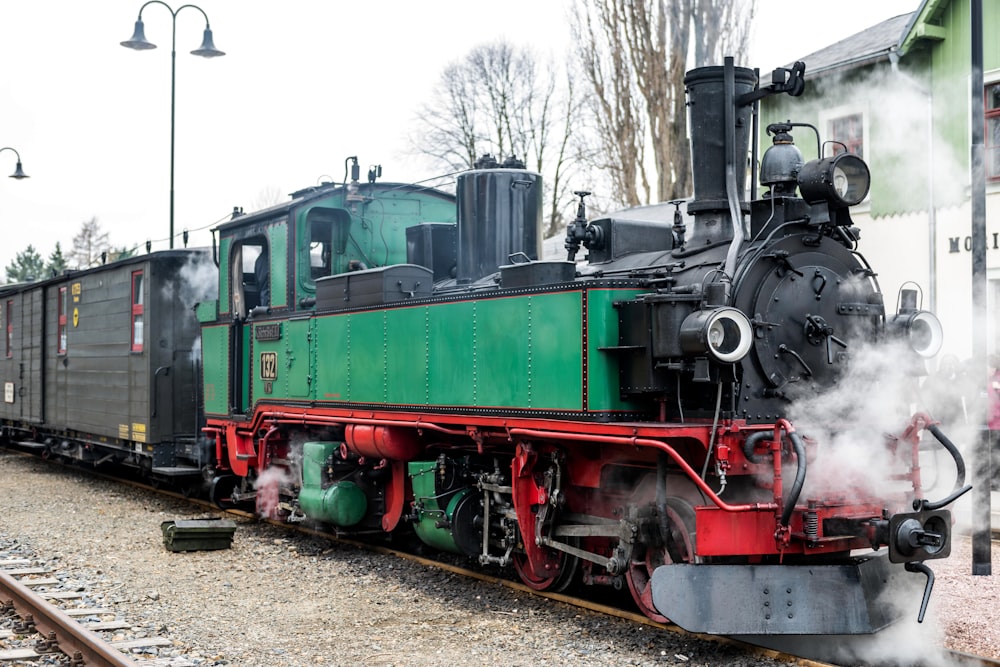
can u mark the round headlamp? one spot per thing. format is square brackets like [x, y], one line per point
[725, 334]
[921, 329]
[842, 180]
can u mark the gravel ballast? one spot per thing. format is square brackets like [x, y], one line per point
[277, 600]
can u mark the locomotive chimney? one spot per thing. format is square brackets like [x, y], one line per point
[707, 101]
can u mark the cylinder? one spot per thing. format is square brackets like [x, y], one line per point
[382, 442]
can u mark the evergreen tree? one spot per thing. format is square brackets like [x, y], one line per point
[27, 266]
[114, 254]
[57, 261]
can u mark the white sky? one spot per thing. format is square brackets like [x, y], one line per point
[303, 85]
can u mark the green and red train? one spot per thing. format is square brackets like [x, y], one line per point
[386, 358]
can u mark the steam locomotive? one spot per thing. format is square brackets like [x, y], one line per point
[386, 358]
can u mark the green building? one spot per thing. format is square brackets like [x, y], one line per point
[899, 94]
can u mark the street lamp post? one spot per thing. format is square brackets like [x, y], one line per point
[206, 50]
[18, 171]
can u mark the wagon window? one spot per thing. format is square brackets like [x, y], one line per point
[63, 307]
[8, 319]
[137, 311]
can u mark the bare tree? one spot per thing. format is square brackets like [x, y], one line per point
[449, 132]
[88, 245]
[618, 124]
[268, 196]
[711, 43]
[634, 54]
[502, 101]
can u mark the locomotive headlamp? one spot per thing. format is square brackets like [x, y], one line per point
[842, 180]
[921, 329]
[724, 334]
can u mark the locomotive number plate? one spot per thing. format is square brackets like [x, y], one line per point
[268, 365]
[267, 331]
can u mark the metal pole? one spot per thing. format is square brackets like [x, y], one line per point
[206, 50]
[981, 557]
[931, 209]
[173, 95]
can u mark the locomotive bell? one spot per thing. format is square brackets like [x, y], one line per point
[780, 166]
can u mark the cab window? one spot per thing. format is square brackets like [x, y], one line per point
[250, 275]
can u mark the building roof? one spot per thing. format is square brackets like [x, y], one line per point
[867, 46]
[923, 24]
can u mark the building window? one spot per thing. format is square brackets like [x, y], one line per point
[137, 311]
[849, 133]
[62, 332]
[992, 99]
[845, 127]
[9, 328]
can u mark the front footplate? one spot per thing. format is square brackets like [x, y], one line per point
[778, 599]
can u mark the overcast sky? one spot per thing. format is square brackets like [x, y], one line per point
[303, 85]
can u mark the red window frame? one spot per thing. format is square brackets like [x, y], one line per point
[137, 313]
[9, 315]
[991, 100]
[62, 333]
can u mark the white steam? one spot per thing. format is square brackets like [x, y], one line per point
[197, 281]
[850, 422]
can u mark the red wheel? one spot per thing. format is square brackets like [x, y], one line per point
[563, 568]
[676, 547]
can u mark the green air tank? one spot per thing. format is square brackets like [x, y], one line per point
[450, 528]
[341, 503]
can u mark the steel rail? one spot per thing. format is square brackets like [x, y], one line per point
[72, 637]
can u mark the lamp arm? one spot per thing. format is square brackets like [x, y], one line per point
[170, 9]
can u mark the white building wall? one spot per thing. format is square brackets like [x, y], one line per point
[896, 247]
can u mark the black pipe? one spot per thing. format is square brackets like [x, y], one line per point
[800, 478]
[751, 444]
[960, 486]
[800, 472]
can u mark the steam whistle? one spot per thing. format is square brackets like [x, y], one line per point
[353, 196]
[679, 228]
[579, 231]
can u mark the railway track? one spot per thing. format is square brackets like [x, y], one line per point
[773, 653]
[47, 617]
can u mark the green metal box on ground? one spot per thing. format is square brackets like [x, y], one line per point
[198, 534]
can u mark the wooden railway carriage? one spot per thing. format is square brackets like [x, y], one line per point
[101, 365]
